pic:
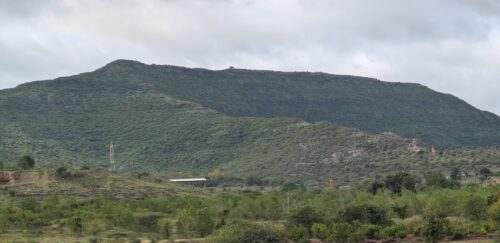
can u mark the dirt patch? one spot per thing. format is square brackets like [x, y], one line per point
[12, 178]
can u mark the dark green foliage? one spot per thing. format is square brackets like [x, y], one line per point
[62, 172]
[484, 173]
[434, 228]
[291, 186]
[375, 186]
[321, 231]
[158, 120]
[475, 207]
[344, 215]
[194, 222]
[438, 179]
[254, 181]
[341, 232]
[248, 232]
[455, 174]
[305, 216]
[299, 233]
[409, 109]
[398, 181]
[26, 162]
[365, 213]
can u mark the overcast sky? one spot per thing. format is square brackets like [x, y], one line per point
[452, 46]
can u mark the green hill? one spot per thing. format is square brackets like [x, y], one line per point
[152, 115]
[411, 110]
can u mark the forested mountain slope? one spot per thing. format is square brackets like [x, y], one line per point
[146, 113]
[411, 110]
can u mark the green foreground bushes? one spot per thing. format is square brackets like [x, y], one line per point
[345, 215]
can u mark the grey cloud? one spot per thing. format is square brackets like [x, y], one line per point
[452, 46]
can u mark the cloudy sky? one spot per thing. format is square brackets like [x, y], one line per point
[452, 46]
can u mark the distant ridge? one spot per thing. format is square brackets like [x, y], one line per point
[409, 109]
[275, 125]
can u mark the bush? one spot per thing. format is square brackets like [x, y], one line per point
[321, 231]
[474, 207]
[26, 162]
[370, 231]
[248, 232]
[341, 232]
[413, 225]
[305, 216]
[433, 228]
[62, 172]
[194, 221]
[164, 228]
[94, 226]
[299, 233]
[398, 181]
[392, 232]
[148, 221]
[365, 213]
[455, 230]
[494, 213]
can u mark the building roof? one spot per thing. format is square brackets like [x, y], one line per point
[188, 179]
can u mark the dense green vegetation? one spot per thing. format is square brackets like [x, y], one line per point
[430, 211]
[71, 122]
[411, 110]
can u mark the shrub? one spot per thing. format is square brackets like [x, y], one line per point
[94, 226]
[299, 233]
[340, 232]
[194, 221]
[392, 232]
[62, 172]
[413, 225]
[455, 230]
[164, 228]
[474, 207]
[321, 231]
[26, 162]
[148, 221]
[366, 213]
[248, 232]
[398, 181]
[433, 228]
[305, 216]
[370, 231]
[494, 213]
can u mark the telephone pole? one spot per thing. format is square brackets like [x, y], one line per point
[112, 156]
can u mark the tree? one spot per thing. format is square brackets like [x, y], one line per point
[62, 172]
[475, 207]
[305, 216]
[438, 179]
[455, 174]
[433, 228]
[290, 186]
[366, 213]
[375, 186]
[254, 181]
[321, 232]
[26, 162]
[194, 221]
[494, 213]
[248, 232]
[401, 180]
[94, 226]
[164, 228]
[484, 173]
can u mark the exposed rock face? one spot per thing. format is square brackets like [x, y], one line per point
[17, 177]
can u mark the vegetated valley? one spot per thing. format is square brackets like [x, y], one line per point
[288, 157]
